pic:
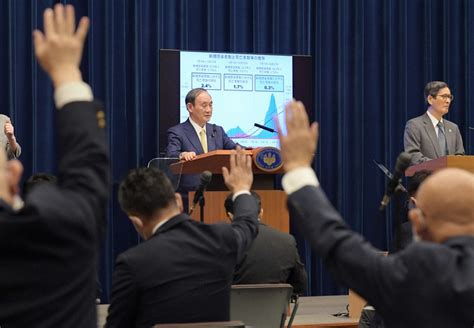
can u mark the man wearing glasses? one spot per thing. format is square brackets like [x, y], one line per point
[429, 136]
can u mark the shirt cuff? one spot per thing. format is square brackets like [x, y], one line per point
[299, 178]
[238, 193]
[72, 91]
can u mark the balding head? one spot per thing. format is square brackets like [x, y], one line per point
[446, 200]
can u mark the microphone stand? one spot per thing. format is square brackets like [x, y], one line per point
[202, 203]
[398, 220]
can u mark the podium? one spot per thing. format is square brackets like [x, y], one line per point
[275, 212]
[462, 162]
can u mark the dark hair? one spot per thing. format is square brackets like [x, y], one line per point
[432, 88]
[415, 181]
[145, 191]
[36, 179]
[229, 203]
[193, 94]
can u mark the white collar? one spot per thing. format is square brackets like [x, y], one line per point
[433, 119]
[159, 225]
[196, 126]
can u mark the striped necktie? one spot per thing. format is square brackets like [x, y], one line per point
[443, 144]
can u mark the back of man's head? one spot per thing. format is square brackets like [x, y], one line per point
[415, 181]
[145, 191]
[446, 199]
[229, 203]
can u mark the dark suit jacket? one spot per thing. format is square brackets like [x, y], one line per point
[48, 250]
[424, 285]
[422, 143]
[183, 137]
[271, 259]
[183, 273]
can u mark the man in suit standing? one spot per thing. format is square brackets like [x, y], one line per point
[272, 258]
[429, 136]
[183, 271]
[428, 284]
[196, 136]
[48, 249]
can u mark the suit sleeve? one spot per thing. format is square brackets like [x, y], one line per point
[412, 142]
[79, 199]
[459, 144]
[123, 297]
[174, 147]
[227, 142]
[13, 154]
[351, 260]
[84, 162]
[298, 277]
[245, 224]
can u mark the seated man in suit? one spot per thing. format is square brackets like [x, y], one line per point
[428, 284]
[48, 249]
[196, 136]
[7, 139]
[183, 271]
[272, 258]
[430, 136]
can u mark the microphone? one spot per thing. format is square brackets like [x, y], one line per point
[213, 131]
[403, 161]
[206, 177]
[263, 127]
[389, 175]
[470, 128]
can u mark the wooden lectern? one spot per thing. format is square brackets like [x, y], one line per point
[275, 212]
[462, 162]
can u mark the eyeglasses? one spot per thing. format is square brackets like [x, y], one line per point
[446, 97]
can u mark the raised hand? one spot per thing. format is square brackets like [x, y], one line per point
[59, 49]
[240, 176]
[9, 130]
[299, 144]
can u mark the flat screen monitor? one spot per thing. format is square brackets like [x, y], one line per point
[245, 89]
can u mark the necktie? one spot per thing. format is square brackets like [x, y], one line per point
[443, 144]
[202, 137]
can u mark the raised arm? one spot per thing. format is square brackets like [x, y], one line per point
[239, 180]
[83, 152]
[348, 256]
[13, 147]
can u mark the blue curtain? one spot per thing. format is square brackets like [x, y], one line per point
[372, 59]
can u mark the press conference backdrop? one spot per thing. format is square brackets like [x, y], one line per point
[371, 61]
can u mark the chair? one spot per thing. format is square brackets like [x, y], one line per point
[260, 305]
[223, 324]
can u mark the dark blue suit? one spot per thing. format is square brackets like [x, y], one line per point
[424, 285]
[273, 258]
[183, 138]
[48, 249]
[183, 273]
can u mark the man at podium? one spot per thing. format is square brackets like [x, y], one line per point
[429, 136]
[196, 135]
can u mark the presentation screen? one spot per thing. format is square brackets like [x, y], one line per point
[245, 89]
